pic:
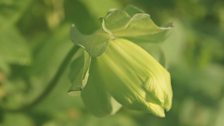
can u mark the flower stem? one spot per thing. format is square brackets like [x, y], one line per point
[52, 83]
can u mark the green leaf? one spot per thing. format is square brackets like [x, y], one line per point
[4, 67]
[13, 48]
[10, 11]
[95, 44]
[76, 12]
[79, 71]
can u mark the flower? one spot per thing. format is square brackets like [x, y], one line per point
[117, 72]
[125, 72]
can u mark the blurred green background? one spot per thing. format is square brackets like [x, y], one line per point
[35, 36]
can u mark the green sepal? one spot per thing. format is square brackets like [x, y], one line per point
[95, 44]
[79, 71]
[115, 20]
[133, 24]
[95, 97]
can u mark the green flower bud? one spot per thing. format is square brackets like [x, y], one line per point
[115, 71]
[134, 78]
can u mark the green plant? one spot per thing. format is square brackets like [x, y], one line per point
[111, 56]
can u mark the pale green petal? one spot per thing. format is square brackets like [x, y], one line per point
[159, 78]
[121, 87]
[156, 109]
[134, 77]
